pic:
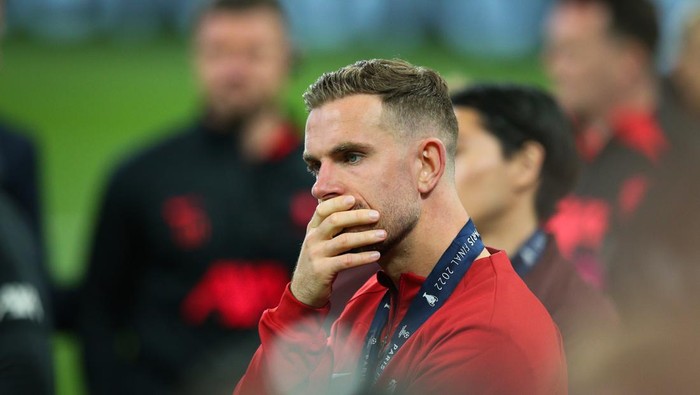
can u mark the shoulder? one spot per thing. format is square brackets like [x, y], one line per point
[15, 141]
[163, 148]
[495, 306]
[492, 286]
[13, 133]
[159, 153]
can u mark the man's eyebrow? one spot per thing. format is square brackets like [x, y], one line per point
[350, 147]
[339, 149]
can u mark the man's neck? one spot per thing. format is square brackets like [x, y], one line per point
[510, 231]
[258, 132]
[597, 127]
[261, 135]
[639, 97]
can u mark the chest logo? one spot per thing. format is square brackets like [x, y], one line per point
[234, 293]
[188, 221]
[391, 387]
[404, 333]
[432, 299]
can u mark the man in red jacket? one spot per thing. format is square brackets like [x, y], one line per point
[444, 315]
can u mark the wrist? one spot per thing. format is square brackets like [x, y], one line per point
[302, 296]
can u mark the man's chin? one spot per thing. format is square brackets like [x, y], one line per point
[235, 111]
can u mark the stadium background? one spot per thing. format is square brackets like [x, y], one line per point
[89, 98]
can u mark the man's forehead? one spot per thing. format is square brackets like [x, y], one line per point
[321, 144]
[570, 17]
[358, 108]
[355, 119]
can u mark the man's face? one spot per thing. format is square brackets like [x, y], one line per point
[242, 60]
[352, 150]
[581, 57]
[482, 174]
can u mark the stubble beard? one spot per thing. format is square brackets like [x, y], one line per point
[397, 220]
[236, 115]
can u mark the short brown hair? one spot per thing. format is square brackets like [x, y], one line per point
[415, 98]
[516, 114]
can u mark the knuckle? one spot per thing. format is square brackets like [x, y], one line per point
[310, 234]
[334, 219]
[310, 226]
[315, 252]
[344, 240]
[346, 260]
[359, 215]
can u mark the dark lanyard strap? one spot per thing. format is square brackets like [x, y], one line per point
[529, 254]
[436, 289]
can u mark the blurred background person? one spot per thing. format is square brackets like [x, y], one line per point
[79, 74]
[654, 282]
[19, 180]
[19, 173]
[636, 207]
[26, 365]
[656, 262]
[600, 56]
[197, 234]
[516, 146]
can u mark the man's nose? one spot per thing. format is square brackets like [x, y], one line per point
[327, 184]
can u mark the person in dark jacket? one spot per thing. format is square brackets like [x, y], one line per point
[515, 160]
[26, 365]
[600, 56]
[198, 234]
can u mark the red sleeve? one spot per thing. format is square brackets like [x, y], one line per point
[294, 355]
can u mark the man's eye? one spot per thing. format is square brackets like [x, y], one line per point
[352, 157]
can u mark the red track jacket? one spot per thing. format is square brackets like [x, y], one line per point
[492, 336]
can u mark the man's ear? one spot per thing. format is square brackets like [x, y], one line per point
[432, 159]
[526, 165]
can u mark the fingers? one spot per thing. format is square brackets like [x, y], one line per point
[327, 250]
[347, 261]
[337, 222]
[334, 215]
[330, 206]
[347, 241]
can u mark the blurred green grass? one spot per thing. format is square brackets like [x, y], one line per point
[88, 105]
